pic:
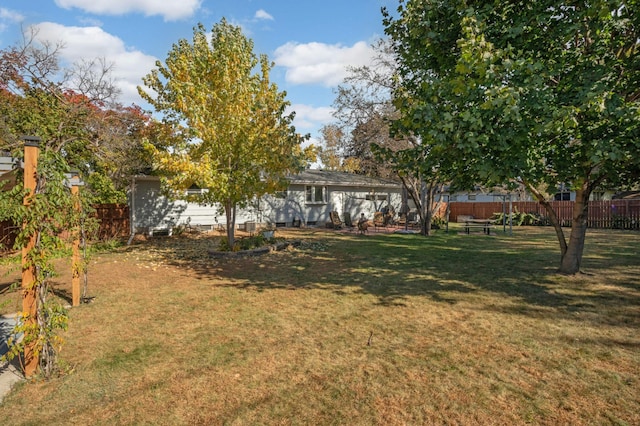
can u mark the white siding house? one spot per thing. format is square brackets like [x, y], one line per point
[308, 200]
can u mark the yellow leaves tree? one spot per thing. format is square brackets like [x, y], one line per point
[237, 142]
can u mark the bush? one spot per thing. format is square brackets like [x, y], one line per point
[437, 222]
[246, 243]
[519, 218]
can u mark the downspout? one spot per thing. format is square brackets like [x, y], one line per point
[132, 209]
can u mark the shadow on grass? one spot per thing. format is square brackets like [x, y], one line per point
[9, 287]
[519, 272]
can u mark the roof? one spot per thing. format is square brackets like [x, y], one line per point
[627, 195]
[323, 177]
[7, 164]
[335, 178]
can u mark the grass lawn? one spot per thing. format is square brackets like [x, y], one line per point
[349, 329]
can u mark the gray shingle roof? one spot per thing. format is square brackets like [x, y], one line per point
[328, 177]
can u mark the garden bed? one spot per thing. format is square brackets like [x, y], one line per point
[283, 245]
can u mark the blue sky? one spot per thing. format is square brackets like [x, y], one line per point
[310, 41]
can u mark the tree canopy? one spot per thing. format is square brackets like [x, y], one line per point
[540, 93]
[74, 111]
[365, 109]
[238, 141]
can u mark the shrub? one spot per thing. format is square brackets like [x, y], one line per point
[246, 243]
[437, 222]
[518, 218]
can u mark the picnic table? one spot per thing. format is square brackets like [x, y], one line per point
[485, 224]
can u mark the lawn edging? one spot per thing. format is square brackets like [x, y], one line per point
[216, 254]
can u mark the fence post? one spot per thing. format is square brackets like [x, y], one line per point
[29, 307]
[75, 272]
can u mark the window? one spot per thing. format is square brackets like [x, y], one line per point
[281, 195]
[472, 197]
[316, 194]
[563, 193]
[194, 190]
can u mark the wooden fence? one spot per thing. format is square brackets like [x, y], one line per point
[610, 214]
[8, 234]
[113, 220]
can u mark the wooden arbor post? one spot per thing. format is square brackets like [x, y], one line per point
[76, 266]
[29, 303]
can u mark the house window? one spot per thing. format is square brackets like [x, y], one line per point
[282, 195]
[472, 197]
[316, 194]
[563, 193]
[194, 190]
[453, 198]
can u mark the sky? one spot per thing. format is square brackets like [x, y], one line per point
[312, 42]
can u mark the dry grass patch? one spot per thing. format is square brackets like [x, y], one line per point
[348, 329]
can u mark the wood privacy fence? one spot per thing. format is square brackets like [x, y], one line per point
[610, 214]
[8, 233]
[113, 219]
[113, 223]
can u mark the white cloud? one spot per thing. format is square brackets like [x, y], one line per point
[90, 22]
[326, 64]
[261, 14]
[171, 10]
[87, 43]
[10, 15]
[310, 118]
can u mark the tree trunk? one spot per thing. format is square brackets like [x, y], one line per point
[423, 197]
[425, 216]
[555, 222]
[553, 219]
[572, 258]
[570, 253]
[230, 214]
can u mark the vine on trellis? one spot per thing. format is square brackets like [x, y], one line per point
[50, 218]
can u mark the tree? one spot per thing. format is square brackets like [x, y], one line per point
[34, 102]
[238, 144]
[537, 93]
[75, 113]
[330, 153]
[364, 109]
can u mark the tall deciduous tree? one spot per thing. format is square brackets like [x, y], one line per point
[75, 113]
[539, 93]
[330, 153]
[238, 142]
[364, 109]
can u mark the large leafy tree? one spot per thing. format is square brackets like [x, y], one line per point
[364, 110]
[75, 112]
[238, 142]
[532, 92]
[330, 153]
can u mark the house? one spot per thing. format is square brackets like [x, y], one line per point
[484, 195]
[308, 200]
[7, 169]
